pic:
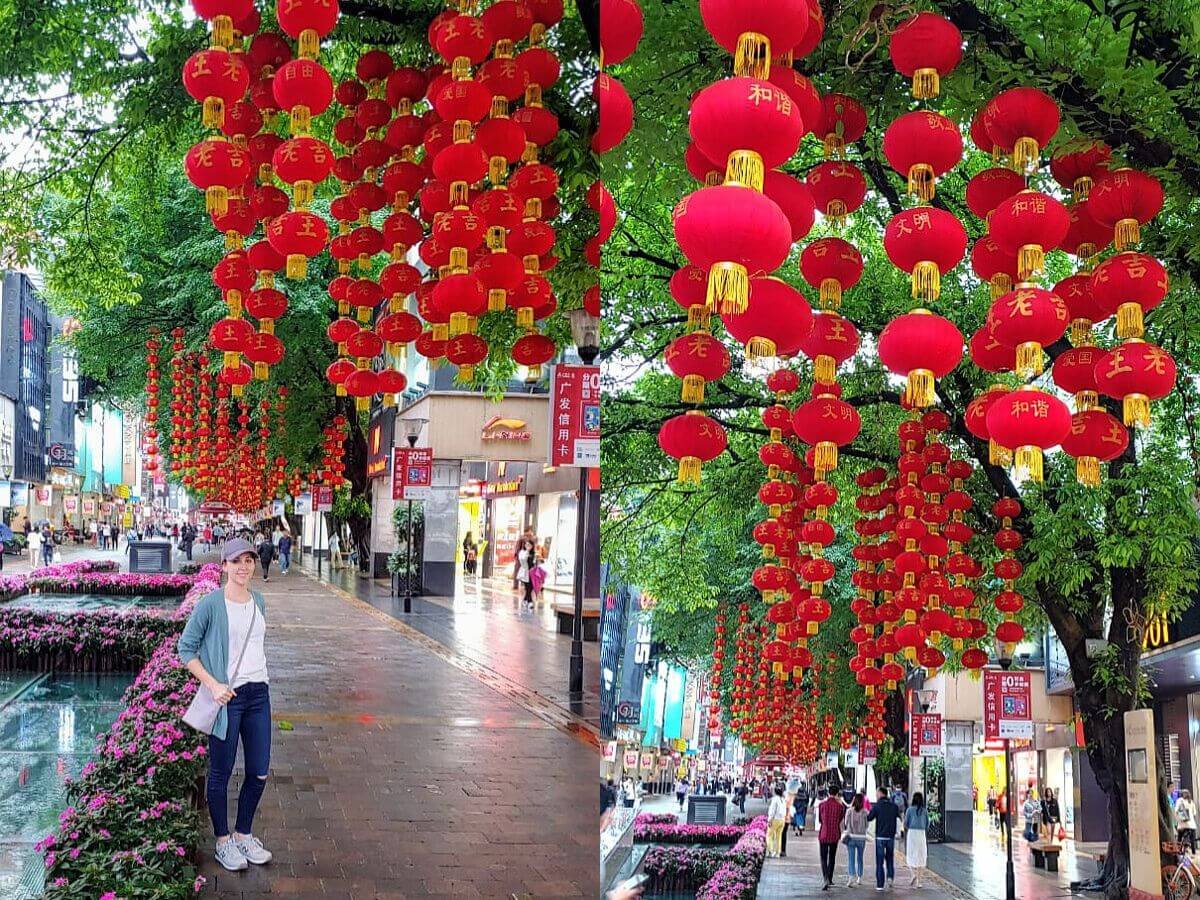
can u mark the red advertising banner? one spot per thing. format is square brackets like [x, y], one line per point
[868, 753]
[322, 498]
[575, 416]
[412, 473]
[925, 735]
[1007, 705]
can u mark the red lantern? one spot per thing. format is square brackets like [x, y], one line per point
[926, 48]
[264, 350]
[1085, 237]
[734, 233]
[298, 235]
[223, 14]
[391, 383]
[689, 288]
[217, 79]
[1095, 437]
[927, 243]
[826, 423]
[466, 351]
[1028, 319]
[1030, 224]
[1079, 164]
[307, 22]
[1075, 372]
[237, 224]
[398, 328]
[361, 384]
[461, 297]
[217, 167]
[697, 358]
[1136, 373]
[1124, 200]
[693, 439]
[303, 162]
[803, 93]
[303, 87]
[620, 30]
[1020, 121]
[615, 113]
[1129, 284]
[752, 121]
[833, 266]
[843, 121]
[921, 346]
[830, 342]
[995, 265]
[838, 189]
[922, 146]
[794, 198]
[1082, 308]
[754, 31]
[990, 354]
[990, 187]
[231, 337]
[1028, 422]
[774, 323]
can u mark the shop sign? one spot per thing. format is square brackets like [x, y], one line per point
[277, 508]
[20, 494]
[627, 735]
[851, 754]
[925, 735]
[71, 504]
[868, 753]
[380, 434]
[631, 759]
[575, 416]
[62, 478]
[301, 504]
[215, 507]
[628, 712]
[610, 751]
[62, 455]
[89, 507]
[512, 486]
[499, 428]
[1007, 705]
[647, 760]
[43, 495]
[323, 498]
[831, 760]
[412, 473]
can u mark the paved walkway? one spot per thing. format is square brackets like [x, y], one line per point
[412, 770]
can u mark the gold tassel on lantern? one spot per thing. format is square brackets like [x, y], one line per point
[1081, 188]
[1130, 323]
[216, 200]
[297, 266]
[835, 145]
[1087, 471]
[698, 318]
[1031, 261]
[441, 331]
[497, 299]
[1085, 400]
[1136, 409]
[302, 194]
[693, 389]
[525, 317]
[926, 84]
[458, 323]
[760, 348]
[1081, 333]
[745, 168]
[830, 294]
[728, 288]
[466, 374]
[1126, 234]
[824, 369]
[233, 298]
[497, 170]
[752, 57]
[1000, 284]
[836, 213]
[231, 358]
[310, 44]
[919, 388]
[222, 31]
[1025, 154]
[825, 457]
[926, 281]
[1029, 359]
[260, 371]
[213, 112]
[689, 470]
[301, 121]
[1028, 459]
[921, 182]
[999, 455]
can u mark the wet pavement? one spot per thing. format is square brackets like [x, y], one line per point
[412, 769]
[48, 728]
[484, 622]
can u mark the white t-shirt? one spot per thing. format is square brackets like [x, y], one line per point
[254, 664]
[523, 560]
[35, 540]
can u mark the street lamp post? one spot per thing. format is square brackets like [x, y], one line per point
[1010, 878]
[585, 331]
[925, 700]
[412, 431]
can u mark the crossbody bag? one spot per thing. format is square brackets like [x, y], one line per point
[203, 711]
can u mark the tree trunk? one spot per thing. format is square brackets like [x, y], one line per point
[355, 455]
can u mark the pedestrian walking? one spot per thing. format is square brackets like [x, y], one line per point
[1185, 820]
[470, 554]
[266, 553]
[885, 814]
[856, 838]
[47, 546]
[1002, 810]
[776, 820]
[1031, 812]
[900, 799]
[208, 537]
[991, 805]
[1051, 814]
[335, 551]
[33, 543]
[526, 559]
[231, 622]
[285, 552]
[916, 851]
[94, 531]
[829, 834]
[800, 805]
[219, 534]
[681, 789]
[186, 538]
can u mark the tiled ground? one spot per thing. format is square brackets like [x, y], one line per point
[406, 774]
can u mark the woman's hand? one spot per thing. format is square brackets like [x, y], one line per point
[222, 693]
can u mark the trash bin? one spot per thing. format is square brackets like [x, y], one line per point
[150, 557]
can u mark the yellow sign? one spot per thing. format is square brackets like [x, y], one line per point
[123, 491]
[127, 519]
[679, 744]
[1157, 632]
[499, 428]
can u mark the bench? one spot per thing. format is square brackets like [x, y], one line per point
[564, 612]
[1045, 856]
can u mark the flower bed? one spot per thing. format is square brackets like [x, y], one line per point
[655, 819]
[132, 825]
[737, 878]
[686, 834]
[714, 874]
[120, 583]
[79, 567]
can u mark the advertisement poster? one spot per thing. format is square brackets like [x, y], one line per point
[43, 495]
[610, 751]
[302, 504]
[89, 507]
[868, 753]
[925, 735]
[1007, 705]
[71, 504]
[509, 515]
[412, 473]
[20, 494]
[323, 498]
[575, 416]
[106, 508]
[277, 508]
[631, 759]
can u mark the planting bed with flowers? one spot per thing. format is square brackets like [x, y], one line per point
[675, 833]
[132, 822]
[713, 873]
[655, 819]
[78, 567]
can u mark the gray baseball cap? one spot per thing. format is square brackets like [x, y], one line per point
[235, 548]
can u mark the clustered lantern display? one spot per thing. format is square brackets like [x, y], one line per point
[151, 462]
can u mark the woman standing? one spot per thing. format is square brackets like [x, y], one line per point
[1051, 815]
[855, 823]
[1031, 810]
[916, 820]
[1185, 820]
[526, 558]
[223, 646]
[266, 553]
[776, 820]
[470, 551]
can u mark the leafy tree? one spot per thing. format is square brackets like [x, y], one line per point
[1099, 562]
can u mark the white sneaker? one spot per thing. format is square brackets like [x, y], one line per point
[253, 850]
[229, 856]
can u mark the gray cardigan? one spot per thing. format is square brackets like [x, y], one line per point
[206, 636]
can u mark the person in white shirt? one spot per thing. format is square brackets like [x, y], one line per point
[34, 546]
[335, 551]
[776, 820]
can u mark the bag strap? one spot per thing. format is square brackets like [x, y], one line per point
[245, 643]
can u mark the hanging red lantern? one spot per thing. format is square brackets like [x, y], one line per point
[1085, 237]
[922, 146]
[748, 124]
[976, 421]
[697, 358]
[689, 288]
[620, 30]
[987, 189]
[826, 423]
[615, 113]
[303, 87]
[1136, 373]
[466, 351]
[231, 337]
[754, 31]
[307, 22]
[218, 167]
[926, 48]
[1029, 224]
[775, 321]
[734, 233]
[693, 439]
[803, 93]
[795, 200]
[995, 265]
[234, 276]
[264, 350]
[1028, 319]
[1095, 437]
[843, 121]
[927, 243]
[1074, 371]
[1124, 200]
[236, 224]
[838, 189]
[1079, 164]
[830, 342]
[833, 266]
[266, 305]
[217, 79]
[1020, 122]
[1129, 284]
[921, 346]
[299, 236]
[1028, 422]
[990, 354]
[1082, 308]
[303, 162]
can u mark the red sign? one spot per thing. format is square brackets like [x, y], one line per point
[925, 735]
[868, 753]
[322, 498]
[1007, 705]
[575, 416]
[412, 473]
